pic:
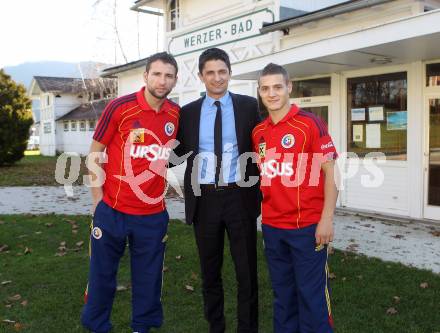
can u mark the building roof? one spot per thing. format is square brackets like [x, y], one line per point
[110, 71]
[86, 111]
[74, 85]
[287, 13]
[340, 8]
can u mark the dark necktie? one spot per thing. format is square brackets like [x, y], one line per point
[218, 141]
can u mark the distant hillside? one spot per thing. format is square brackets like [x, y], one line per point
[23, 73]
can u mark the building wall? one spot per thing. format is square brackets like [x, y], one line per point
[74, 141]
[67, 102]
[47, 125]
[198, 11]
[130, 81]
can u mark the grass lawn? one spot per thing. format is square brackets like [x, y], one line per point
[34, 170]
[50, 287]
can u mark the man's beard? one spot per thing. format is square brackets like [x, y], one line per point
[153, 93]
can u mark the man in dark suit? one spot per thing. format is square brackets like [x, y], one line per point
[221, 188]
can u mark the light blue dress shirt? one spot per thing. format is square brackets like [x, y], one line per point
[230, 165]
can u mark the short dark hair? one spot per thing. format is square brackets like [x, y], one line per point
[274, 69]
[165, 57]
[213, 54]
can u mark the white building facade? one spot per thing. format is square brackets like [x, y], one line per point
[69, 109]
[369, 68]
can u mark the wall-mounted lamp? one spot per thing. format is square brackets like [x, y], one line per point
[380, 60]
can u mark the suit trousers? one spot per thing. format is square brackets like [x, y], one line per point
[217, 212]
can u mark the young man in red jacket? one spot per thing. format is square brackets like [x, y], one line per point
[296, 159]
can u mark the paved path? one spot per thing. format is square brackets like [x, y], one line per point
[411, 243]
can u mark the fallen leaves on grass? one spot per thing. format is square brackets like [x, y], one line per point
[392, 311]
[62, 249]
[396, 299]
[27, 250]
[332, 276]
[189, 288]
[121, 288]
[74, 225]
[49, 225]
[24, 303]
[4, 283]
[424, 285]
[80, 243]
[179, 257]
[194, 276]
[14, 298]
[4, 248]
[18, 326]
[165, 269]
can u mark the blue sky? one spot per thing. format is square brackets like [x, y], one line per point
[73, 31]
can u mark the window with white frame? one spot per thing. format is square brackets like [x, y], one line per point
[73, 125]
[92, 125]
[82, 125]
[66, 126]
[173, 14]
[311, 87]
[377, 115]
[47, 127]
[433, 75]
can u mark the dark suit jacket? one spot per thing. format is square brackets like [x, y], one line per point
[246, 118]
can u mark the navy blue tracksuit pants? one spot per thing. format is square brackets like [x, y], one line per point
[299, 274]
[146, 238]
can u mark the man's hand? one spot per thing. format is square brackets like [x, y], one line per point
[95, 203]
[95, 173]
[324, 231]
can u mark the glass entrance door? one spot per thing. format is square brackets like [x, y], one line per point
[432, 201]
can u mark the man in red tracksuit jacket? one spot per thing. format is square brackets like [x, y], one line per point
[296, 160]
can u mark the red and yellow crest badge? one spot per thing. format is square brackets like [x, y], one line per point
[262, 149]
[137, 135]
